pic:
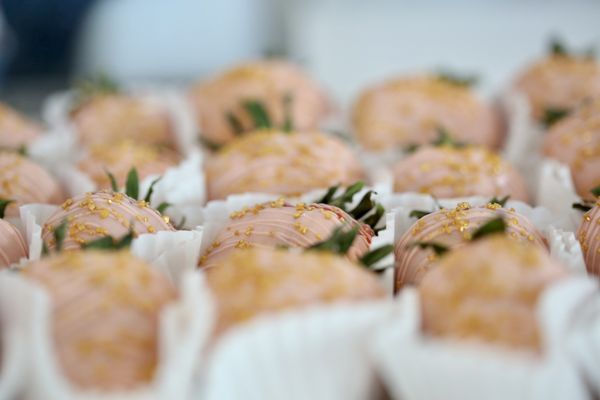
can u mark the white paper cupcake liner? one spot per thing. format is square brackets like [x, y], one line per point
[314, 353]
[33, 217]
[524, 138]
[181, 115]
[215, 216]
[55, 148]
[416, 366]
[184, 188]
[185, 324]
[59, 153]
[584, 342]
[561, 240]
[184, 328]
[556, 191]
[16, 297]
[565, 248]
[172, 252]
[57, 107]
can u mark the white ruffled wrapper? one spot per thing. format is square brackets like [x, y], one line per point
[182, 186]
[315, 353]
[59, 152]
[57, 107]
[171, 252]
[382, 162]
[33, 217]
[584, 343]
[561, 240]
[184, 325]
[417, 366]
[184, 328]
[556, 191]
[16, 313]
[215, 216]
[523, 140]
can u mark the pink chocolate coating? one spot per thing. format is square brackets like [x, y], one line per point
[278, 223]
[449, 172]
[266, 81]
[281, 163]
[575, 141]
[588, 235]
[119, 157]
[488, 291]
[26, 182]
[105, 213]
[559, 82]
[408, 111]
[112, 117]
[12, 244]
[267, 281]
[452, 228]
[15, 129]
[105, 316]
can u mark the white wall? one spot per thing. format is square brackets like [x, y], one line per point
[347, 44]
[145, 39]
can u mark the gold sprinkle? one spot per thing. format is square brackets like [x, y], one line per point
[242, 244]
[300, 228]
[68, 203]
[463, 206]
[493, 206]
[280, 202]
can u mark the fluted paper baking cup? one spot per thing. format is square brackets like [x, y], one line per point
[184, 188]
[59, 153]
[565, 248]
[57, 107]
[584, 341]
[556, 191]
[57, 147]
[316, 353]
[555, 229]
[184, 327]
[173, 252]
[33, 217]
[524, 137]
[215, 216]
[16, 298]
[417, 366]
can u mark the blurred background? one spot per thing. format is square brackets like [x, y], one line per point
[346, 44]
